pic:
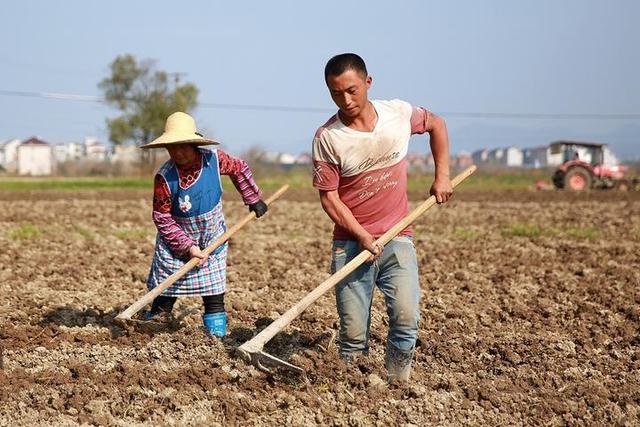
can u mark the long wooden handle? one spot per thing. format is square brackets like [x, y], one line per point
[257, 342]
[152, 294]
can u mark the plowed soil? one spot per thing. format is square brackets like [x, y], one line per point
[530, 315]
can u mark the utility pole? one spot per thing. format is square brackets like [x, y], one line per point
[176, 78]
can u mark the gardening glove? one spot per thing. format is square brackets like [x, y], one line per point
[259, 207]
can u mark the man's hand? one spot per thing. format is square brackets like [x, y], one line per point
[368, 242]
[442, 189]
[195, 252]
[259, 207]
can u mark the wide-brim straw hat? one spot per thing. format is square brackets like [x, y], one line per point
[180, 128]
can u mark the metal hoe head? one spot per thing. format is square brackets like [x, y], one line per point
[259, 358]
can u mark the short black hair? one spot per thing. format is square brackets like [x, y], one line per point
[343, 62]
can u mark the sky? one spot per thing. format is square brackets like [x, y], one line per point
[500, 72]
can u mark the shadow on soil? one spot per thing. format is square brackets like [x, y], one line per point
[73, 317]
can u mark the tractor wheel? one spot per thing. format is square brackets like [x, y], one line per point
[577, 179]
[558, 179]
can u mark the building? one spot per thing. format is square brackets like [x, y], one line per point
[90, 149]
[68, 151]
[95, 150]
[34, 157]
[9, 155]
[510, 157]
[304, 159]
[463, 160]
[126, 154]
[541, 157]
[480, 156]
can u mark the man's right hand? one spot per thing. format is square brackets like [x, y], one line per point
[195, 252]
[369, 243]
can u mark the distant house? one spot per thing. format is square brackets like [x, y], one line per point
[480, 156]
[35, 157]
[304, 159]
[95, 150]
[541, 157]
[9, 155]
[126, 154]
[286, 159]
[90, 149]
[417, 162]
[277, 158]
[510, 157]
[68, 151]
[463, 160]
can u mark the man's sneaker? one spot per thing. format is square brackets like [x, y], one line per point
[215, 324]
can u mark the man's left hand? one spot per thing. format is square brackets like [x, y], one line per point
[441, 189]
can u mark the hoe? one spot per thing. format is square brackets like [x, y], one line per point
[252, 351]
[125, 316]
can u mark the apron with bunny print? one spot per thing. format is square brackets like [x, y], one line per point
[198, 211]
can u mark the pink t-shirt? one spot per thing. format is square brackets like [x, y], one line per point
[369, 169]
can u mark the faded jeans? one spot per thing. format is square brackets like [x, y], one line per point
[395, 273]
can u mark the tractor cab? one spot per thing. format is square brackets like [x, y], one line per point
[585, 165]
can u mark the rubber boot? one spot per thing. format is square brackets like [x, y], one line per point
[215, 324]
[398, 363]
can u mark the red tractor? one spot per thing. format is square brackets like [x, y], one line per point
[587, 165]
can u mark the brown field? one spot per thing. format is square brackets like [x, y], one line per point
[530, 315]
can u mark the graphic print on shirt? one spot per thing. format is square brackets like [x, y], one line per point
[317, 174]
[185, 204]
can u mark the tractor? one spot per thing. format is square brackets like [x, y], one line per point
[588, 165]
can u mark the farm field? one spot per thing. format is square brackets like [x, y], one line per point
[530, 315]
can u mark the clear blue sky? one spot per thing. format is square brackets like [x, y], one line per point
[544, 56]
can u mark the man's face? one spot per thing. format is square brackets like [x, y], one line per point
[349, 92]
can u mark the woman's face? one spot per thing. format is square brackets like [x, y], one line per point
[182, 154]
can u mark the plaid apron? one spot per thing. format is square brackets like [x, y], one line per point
[202, 227]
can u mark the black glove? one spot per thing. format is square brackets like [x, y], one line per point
[259, 207]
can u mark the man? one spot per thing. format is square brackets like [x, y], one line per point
[360, 171]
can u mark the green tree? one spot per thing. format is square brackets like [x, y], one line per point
[145, 96]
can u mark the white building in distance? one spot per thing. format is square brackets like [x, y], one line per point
[35, 157]
[9, 155]
[95, 150]
[90, 149]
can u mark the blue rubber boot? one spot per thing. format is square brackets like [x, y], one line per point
[215, 324]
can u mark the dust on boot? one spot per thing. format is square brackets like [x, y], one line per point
[398, 363]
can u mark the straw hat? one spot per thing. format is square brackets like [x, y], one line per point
[180, 128]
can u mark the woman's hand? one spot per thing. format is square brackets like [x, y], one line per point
[195, 252]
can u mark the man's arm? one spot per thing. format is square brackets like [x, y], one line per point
[343, 217]
[439, 141]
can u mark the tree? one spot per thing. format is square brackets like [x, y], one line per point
[145, 96]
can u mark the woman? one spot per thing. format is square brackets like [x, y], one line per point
[187, 211]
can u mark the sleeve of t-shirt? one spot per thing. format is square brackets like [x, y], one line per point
[326, 172]
[417, 116]
[419, 119]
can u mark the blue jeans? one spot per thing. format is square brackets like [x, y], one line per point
[395, 273]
